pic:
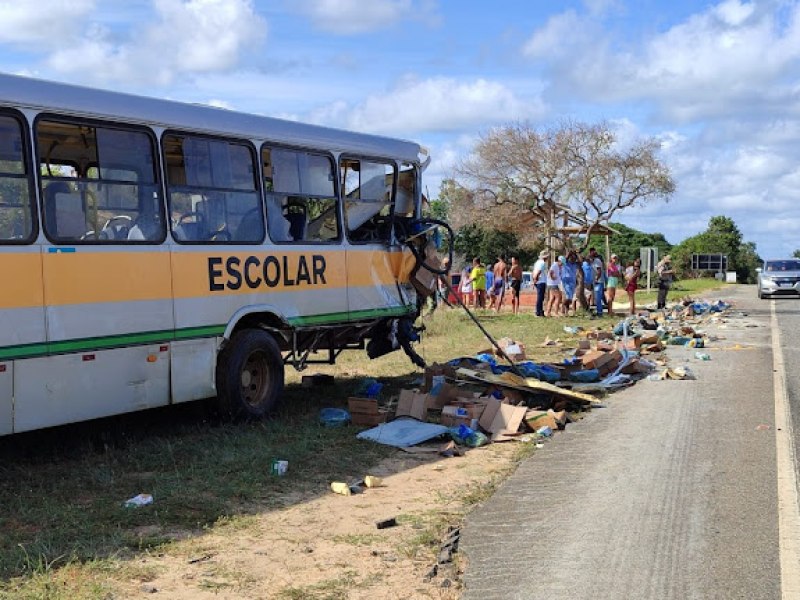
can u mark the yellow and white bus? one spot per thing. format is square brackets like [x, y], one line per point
[156, 252]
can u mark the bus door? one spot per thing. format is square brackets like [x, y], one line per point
[22, 325]
[376, 264]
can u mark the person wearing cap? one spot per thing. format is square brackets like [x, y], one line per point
[614, 274]
[540, 281]
[665, 277]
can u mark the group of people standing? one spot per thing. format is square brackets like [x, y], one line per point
[477, 282]
[556, 282]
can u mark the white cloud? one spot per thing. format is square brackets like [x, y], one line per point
[195, 36]
[732, 55]
[42, 22]
[436, 104]
[348, 17]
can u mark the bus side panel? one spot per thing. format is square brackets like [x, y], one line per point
[6, 397]
[21, 301]
[372, 277]
[100, 292]
[194, 369]
[211, 286]
[76, 387]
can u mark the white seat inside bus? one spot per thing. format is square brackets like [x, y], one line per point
[64, 211]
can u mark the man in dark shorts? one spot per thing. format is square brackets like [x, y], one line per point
[515, 279]
[498, 283]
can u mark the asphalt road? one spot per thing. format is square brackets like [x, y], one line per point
[669, 492]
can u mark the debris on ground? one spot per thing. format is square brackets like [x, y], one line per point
[478, 399]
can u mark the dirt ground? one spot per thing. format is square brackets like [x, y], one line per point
[328, 545]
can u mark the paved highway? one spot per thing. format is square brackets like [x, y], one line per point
[672, 491]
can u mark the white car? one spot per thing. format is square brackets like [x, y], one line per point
[780, 277]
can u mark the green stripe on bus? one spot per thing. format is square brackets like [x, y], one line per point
[356, 315]
[187, 333]
[107, 342]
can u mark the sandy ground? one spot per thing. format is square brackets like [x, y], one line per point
[328, 546]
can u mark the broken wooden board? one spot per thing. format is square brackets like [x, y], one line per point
[526, 384]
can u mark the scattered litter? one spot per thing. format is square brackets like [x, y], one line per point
[545, 431]
[139, 500]
[702, 356]
[278, 467]
[339, 487]
[762, 427]
[333, 417]
[386, 523]
[403, 432]
[371, 481]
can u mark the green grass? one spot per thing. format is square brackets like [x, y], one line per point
[63, 526]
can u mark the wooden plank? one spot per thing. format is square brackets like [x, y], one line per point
[527, 384]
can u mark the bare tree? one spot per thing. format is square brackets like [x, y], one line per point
[576, 169]
[526, 179]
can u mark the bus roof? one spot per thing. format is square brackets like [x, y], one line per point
[40, 95]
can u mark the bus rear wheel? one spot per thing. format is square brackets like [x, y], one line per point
[249, 375]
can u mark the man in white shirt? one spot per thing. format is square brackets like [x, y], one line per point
[540, 281]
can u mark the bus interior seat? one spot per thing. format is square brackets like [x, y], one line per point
[297, 225]
[296, 212]
[191, 231]
[251, 227]
[64, 214]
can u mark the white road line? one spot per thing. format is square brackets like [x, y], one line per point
[788, 507]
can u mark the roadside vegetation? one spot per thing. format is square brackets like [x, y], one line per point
[66, 534]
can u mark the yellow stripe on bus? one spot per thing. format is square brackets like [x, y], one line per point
[119, 276]
[22, 281]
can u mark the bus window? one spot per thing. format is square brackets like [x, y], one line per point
[301, 197]
[367, 187]
[212, 190]
[16, 223]
[99, 184]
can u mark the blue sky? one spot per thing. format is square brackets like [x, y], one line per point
[717, 82]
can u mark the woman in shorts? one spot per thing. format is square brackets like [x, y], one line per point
[554, 303]
[632, 274]
[613, 278]
[466, 285]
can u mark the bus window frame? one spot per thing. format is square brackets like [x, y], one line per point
[30, 175]
[340, 218]
[100, 123]
[254, 155]
[382, 160]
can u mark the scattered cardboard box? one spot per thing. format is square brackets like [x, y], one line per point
[413, 404]
[500, 419]
[365, 412]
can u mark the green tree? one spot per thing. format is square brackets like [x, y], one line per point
[796, 254]
[488, 244]
[627, 243]
[722, 237]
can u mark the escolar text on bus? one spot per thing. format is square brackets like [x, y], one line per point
[271, 271]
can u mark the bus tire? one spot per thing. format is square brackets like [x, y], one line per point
[249, 375]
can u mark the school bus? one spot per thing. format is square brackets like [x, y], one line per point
[155, 252]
